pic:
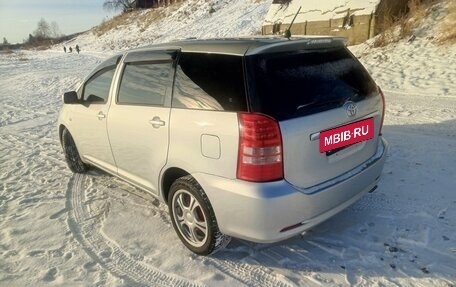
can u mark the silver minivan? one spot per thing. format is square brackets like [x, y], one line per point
[259, 139]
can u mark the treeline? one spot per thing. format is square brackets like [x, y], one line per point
[45, 34]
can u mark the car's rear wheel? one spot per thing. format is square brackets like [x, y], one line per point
[193, 217]
[71, 153]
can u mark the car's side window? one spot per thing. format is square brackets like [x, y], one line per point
[96, 89]
[144, 83]
[209, 82]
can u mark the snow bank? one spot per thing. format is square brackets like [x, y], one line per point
[189, 19]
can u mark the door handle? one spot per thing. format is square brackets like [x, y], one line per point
[101, 115]
[156, 122]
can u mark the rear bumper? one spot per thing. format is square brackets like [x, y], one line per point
[262, 212]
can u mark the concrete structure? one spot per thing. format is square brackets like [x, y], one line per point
[357, 20]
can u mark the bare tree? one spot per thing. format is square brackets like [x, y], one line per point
[124, 5]
[55, 31]
[43, 30]
[127, 5]
[5, 42]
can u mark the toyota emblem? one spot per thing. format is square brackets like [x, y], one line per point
[351, 108]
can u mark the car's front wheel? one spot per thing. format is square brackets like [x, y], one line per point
[193, 217]
[71, 153]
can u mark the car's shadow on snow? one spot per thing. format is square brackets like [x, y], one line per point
[405, 229]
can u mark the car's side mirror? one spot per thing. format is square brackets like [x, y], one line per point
[70, 98]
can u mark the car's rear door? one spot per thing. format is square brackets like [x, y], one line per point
[328, 108]
[138, 122]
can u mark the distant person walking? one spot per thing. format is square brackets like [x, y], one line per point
[77, 49]
[70, 49]
[64, 49]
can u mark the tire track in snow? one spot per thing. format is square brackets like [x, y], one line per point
[85, 222]
[86, 228]
[249, 275]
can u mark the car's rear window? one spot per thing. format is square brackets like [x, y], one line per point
[293, 84]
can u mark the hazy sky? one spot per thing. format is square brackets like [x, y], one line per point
[19, 18]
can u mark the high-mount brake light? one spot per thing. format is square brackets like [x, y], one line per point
[260, 148]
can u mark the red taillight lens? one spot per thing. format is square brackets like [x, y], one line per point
[383, 110]
[260, 148]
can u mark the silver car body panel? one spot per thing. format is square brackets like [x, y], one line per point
[304, 165]
[91, 134]
[259, 211]
[130, 126]
[204, 142]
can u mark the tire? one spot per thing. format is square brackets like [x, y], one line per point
[71, 154]
[193, 217]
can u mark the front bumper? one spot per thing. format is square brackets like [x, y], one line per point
[262, 212]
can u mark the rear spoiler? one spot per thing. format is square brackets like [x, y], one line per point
[307, 43]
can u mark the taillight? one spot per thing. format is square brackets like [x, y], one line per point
[383, 110]
[260, 148]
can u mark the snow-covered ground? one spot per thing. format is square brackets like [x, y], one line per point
[61, 229]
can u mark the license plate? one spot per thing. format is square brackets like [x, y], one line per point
[346, 135]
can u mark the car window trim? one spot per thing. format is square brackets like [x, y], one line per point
[150, 56]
